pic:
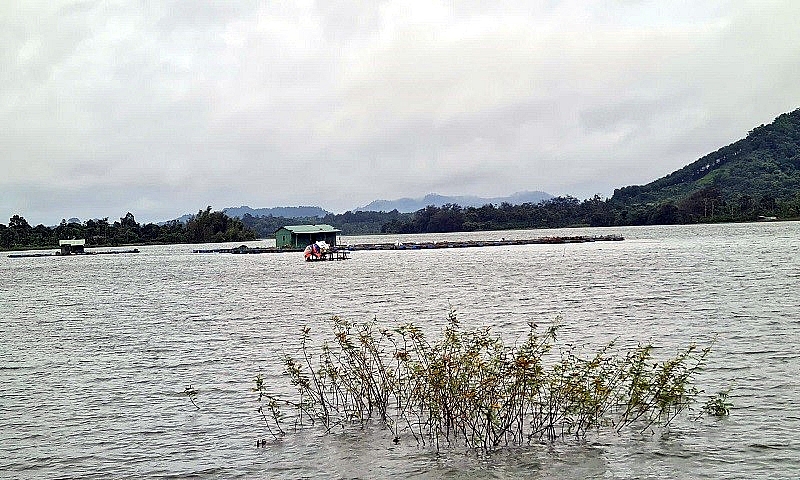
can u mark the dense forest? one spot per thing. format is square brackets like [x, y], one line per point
[705, 206]
[206, 226]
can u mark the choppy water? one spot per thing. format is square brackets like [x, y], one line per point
[96, 351]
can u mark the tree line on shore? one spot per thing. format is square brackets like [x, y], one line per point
[206, 226]
[704, 206]
[708, 205]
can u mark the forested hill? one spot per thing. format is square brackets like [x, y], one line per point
[762, 167]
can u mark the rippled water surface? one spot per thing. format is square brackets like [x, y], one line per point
[96, 351]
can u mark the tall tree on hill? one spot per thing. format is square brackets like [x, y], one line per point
[208, 226]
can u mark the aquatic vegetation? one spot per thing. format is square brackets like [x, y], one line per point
[718, 405]
[469, 388]
[191, 392]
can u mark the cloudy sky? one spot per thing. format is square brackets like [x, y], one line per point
[164, 107]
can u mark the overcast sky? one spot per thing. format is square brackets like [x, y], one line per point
[161, 108]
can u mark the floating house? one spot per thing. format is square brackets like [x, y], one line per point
[299, 236]
[69, 247]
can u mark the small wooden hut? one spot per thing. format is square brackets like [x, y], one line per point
[299, 236]
[69, 247]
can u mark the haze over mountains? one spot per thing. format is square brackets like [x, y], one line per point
[757, 177]
[407, 205]
[759, 174]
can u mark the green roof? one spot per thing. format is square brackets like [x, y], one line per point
[323, 228]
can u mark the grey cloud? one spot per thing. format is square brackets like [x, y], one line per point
[162, 108]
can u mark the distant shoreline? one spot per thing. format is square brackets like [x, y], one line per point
[387, 234]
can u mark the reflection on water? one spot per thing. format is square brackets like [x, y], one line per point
[96, 351]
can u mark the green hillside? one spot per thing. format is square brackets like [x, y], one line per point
[757, 173]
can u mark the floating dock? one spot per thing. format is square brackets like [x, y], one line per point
[342, 252]
[77, 254]
[244, 249]
[484, 243]
[334, 254]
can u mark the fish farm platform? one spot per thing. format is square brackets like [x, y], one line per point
[74, 254]
[422, 245]
[484, 243]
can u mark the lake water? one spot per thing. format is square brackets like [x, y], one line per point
[96, 351]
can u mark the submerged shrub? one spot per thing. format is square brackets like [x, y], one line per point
[718, 405]
[469, 388]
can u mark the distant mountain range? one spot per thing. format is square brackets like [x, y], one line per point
[403, 205]
[285, 212]
[407, 205]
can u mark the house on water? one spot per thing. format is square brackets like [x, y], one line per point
[299, 236]
[69, 247]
